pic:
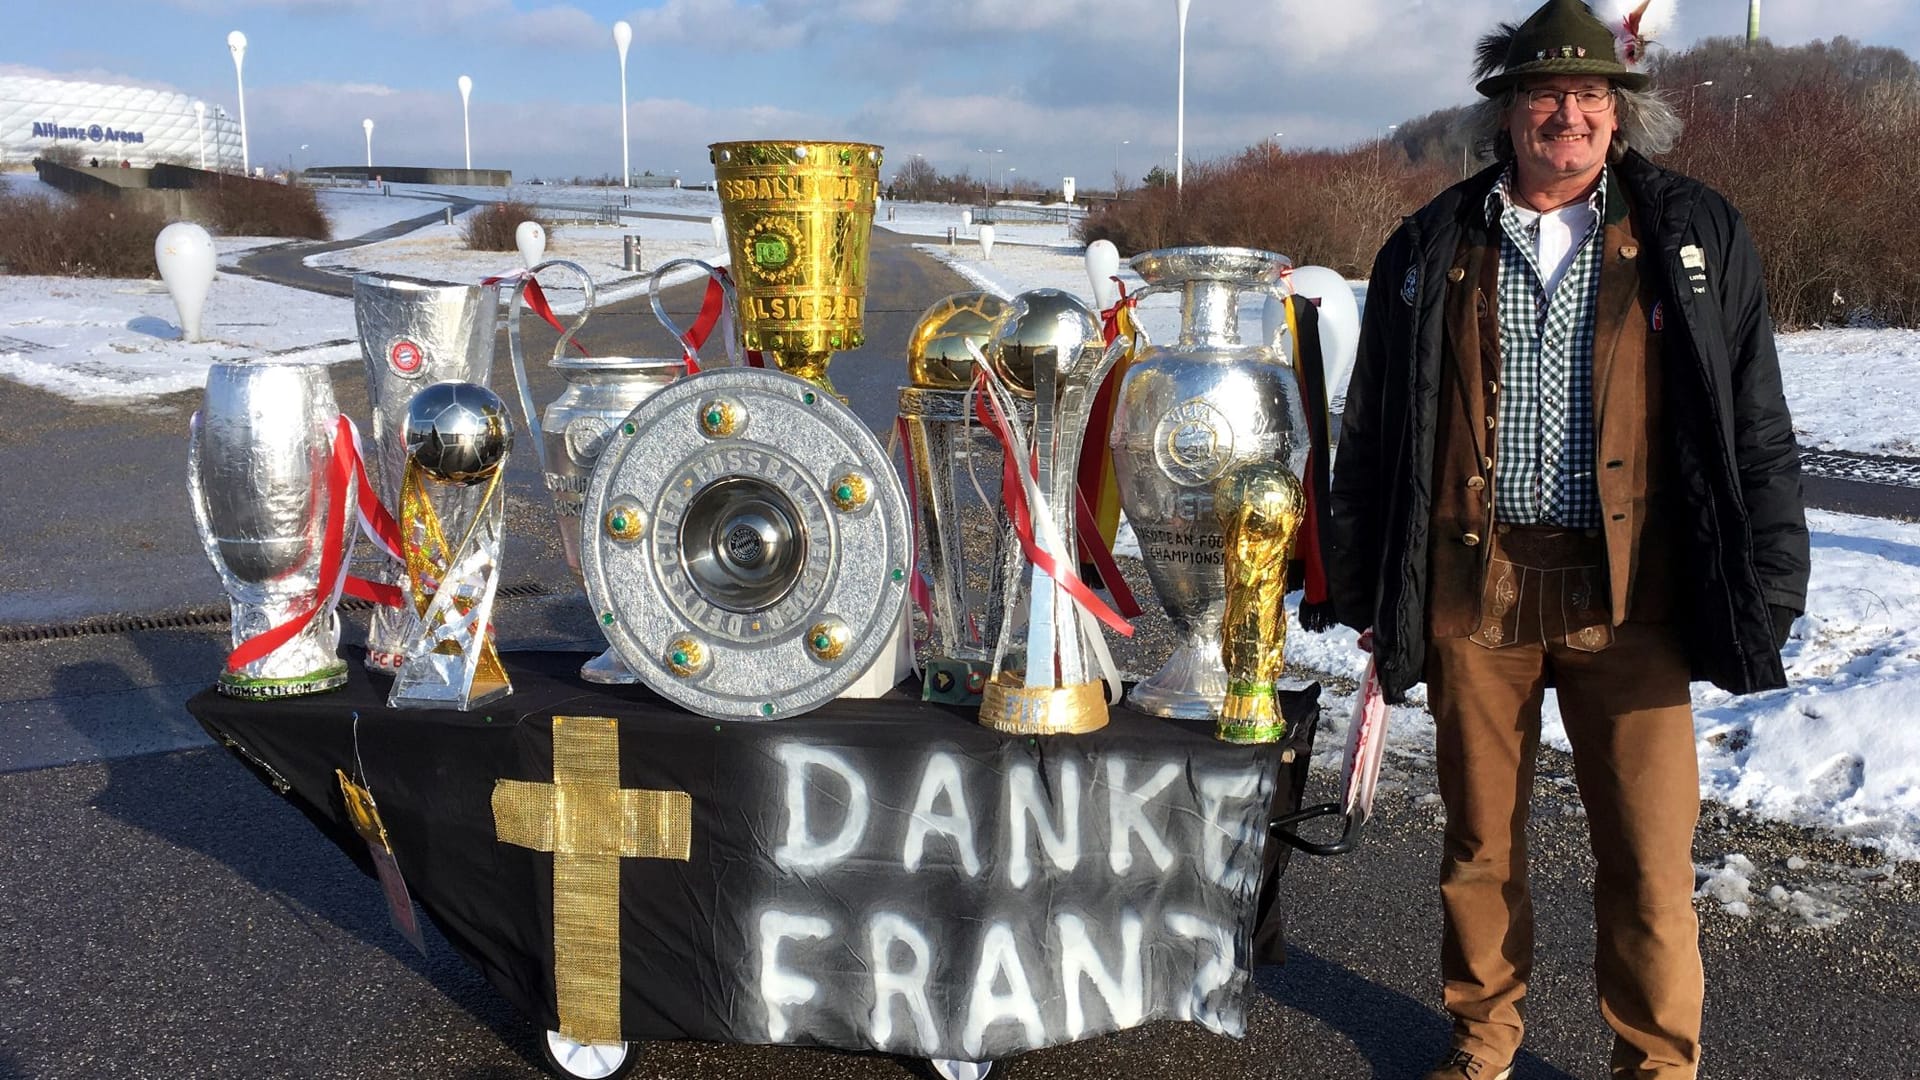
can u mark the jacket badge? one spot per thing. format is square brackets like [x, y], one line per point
[1410, 286]
[1659, 316]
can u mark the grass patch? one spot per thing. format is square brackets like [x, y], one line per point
[83, 236]
[239, 207]
[491, 227]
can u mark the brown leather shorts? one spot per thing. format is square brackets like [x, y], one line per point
[1546, 586]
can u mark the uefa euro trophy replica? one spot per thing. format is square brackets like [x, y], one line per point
[1261, 506]
[1051, 683]
[1189, 414]
[955, 467]
[798, 218]
[574, 428]
[452, 518]
[749, 545]
[258, 463]
[412, 335]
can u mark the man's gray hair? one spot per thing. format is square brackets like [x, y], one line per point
[1647, 124]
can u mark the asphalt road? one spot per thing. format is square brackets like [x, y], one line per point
[164, 914]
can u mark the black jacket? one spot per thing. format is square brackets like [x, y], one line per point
[1733, 444]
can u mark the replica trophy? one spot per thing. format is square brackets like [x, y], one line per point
[746, 545]
[1048, 685]
[258, 464]
[798, 217]
[1189, 414]
[569, 436]
[950, 457]
[452, 513]
[412, 334]
[1261, 506]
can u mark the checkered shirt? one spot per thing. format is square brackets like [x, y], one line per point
[1545, 435]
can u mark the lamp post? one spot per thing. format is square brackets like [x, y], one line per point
[986, 182]
[466, 127]
[367, 126]
[1693, 92]
[1736, 118]
[1180, 106]
[237, 45]
[1116, 159]
[623, 37]
[1391, 128]
[200, 131]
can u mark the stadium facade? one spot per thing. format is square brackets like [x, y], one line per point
[110, 123]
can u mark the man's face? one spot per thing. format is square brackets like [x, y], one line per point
[1566, 142]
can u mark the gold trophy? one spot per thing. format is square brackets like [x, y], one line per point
[798, 218]
[1261, 507]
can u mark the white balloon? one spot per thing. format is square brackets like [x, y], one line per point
[966, 219]
[1103, 262]
[186, 257]
[719, 231]
[986, 242]
[1339, 322]
[531, 239]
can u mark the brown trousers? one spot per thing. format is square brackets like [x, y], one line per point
[1625, 704]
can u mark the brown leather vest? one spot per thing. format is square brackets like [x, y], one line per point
[1631, 452]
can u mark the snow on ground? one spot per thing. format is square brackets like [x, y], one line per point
[111, 340]
[357, 211]
[1839, 748]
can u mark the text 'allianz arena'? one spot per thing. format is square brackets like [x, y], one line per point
[134, 124]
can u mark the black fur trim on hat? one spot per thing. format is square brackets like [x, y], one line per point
[1491, 55]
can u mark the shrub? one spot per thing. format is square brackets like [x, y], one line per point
[491, 228]
[81, 236]
[236, 206]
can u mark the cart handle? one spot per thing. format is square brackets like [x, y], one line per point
[1282, 829]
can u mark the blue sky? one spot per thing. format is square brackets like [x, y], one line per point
[1057, 87]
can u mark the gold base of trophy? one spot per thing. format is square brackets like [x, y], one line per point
[1011, 708]
[1250, 715]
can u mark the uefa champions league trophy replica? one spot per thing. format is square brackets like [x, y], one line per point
[1189, 414]
[1052, 683]
[962, 540]
[452, 516]
[1261, 506]
[412, 335]
[574, 428]
[258, 467]
[798, 218]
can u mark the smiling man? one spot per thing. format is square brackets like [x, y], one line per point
[1566, 462]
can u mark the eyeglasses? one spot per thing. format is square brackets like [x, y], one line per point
[1548, 101]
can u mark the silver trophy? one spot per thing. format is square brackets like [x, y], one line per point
[257, 467]
[748, 545]
[964, 533]
[574, 428]
[1187, 415]
[452, 517]
[1049, 683]
[412, 335]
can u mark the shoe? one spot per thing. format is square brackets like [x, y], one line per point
[1460, 1065]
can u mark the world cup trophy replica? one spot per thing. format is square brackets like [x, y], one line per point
[452, 516]
[1050, 683]
[1190, 413]
[412, 335]
[259, 464]
[798, 218]
[1261, 506]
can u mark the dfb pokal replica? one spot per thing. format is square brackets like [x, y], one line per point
[955, 468]
[798, 218]
[575, 427]
[259, 465]
[412, 335]
[1188, 414]
[748, 547]
[452, 513]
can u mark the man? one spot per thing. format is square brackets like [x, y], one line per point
[1566, 461]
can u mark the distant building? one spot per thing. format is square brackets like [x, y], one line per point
[112, 123]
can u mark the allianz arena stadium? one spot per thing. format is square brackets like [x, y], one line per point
[111, 123]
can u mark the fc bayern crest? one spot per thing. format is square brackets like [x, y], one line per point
[1410, 286]
[1659, 319]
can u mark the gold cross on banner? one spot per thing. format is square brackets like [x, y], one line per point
[590, 823]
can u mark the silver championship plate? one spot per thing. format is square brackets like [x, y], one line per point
[748, 546]
[1188, 415]
[575, 427]
[258, 462]
[412, 335]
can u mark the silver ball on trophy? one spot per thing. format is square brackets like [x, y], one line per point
[458, 432]
[1042, 338]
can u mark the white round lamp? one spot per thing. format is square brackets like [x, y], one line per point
[185, 255]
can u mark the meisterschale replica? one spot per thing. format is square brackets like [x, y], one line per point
[856, 768]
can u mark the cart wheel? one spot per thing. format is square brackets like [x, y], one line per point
[949, 1069]
[588, 1061]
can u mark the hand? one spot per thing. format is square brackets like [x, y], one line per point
[1366, 640]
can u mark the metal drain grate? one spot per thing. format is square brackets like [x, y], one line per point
[1866, 468]
[205, 618]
